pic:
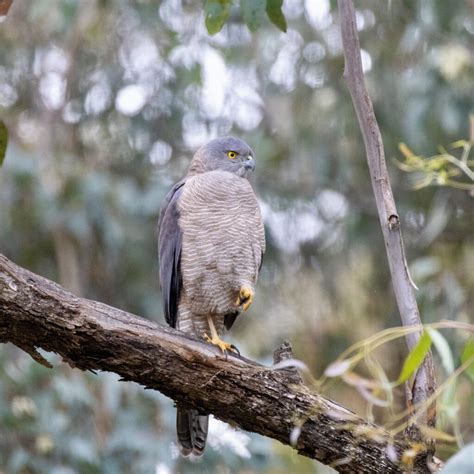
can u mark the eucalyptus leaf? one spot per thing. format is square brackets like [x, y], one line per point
[468, 353]
[415, 357]
[275, 14]
[3, 141]
[443, 349]
[253, 12]
[217, 13]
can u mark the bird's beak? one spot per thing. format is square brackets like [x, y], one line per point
[249, 164]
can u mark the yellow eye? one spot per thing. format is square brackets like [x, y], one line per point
[231, 154]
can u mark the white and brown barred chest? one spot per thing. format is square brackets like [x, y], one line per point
[223, 241]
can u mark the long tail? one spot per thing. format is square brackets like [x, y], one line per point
[191, 428]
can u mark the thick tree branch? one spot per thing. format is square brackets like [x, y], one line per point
[37, 313]
[424, 384]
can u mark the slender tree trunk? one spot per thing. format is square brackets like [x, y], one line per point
[424, 384]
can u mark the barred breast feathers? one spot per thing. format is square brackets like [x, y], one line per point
[223, 238]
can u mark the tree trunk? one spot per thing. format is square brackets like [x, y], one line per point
[424, 384]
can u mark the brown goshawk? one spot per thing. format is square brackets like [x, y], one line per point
[211, 242]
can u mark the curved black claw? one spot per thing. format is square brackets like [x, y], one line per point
[235, 348]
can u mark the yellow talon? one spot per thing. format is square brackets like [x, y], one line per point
[222, 345]
[245, 298]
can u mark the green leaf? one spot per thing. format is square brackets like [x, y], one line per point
[217, 13]
[275, 14]
[253, 12]
[467, 354]
[443, 349]
[3, 141]
[415, 357]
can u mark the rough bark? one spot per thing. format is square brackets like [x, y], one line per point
[424, 383]
[38, 313]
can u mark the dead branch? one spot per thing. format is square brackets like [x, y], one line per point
[424, 384]
[38, 313]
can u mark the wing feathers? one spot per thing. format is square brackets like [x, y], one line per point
[169, 249]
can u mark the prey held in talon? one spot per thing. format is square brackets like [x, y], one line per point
[245, 298]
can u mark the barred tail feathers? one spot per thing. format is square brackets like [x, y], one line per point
[191, 429]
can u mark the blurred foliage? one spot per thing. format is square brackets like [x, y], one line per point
[3, 141]
[444, 169]
[105, 102]
[375, 386]
[252, 11]
[467, 355]
[415, 357]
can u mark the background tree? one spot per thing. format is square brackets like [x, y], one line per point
[105, 102]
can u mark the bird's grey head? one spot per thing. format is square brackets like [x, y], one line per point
[225, 154]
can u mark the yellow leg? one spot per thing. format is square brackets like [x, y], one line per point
[216, 340]
[245, 298]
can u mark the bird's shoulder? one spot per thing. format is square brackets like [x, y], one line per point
[170, 200]
[217, 181]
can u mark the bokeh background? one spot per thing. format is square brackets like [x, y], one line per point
[106, 102]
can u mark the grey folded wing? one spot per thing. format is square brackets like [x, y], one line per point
[169, 251]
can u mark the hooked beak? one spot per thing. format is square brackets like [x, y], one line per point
[249, 164]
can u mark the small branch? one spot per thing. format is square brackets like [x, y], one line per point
[424, 383]
[37, 313]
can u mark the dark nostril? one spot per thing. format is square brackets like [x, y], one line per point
[250, 164]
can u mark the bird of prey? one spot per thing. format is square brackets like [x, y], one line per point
[210, 243]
